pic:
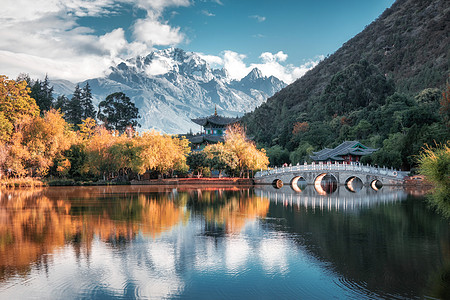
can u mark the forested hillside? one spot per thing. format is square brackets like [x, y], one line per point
[385, 87]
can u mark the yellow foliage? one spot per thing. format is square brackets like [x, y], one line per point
[161, 152]
[15, 102]
[87, 129]
[250, 158]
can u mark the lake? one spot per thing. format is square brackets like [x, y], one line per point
[143, 242]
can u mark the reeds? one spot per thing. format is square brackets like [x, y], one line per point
[21, 182]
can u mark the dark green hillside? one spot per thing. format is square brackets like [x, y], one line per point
[382, 87]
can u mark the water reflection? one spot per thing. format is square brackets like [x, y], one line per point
[341, 199]
[203, 243]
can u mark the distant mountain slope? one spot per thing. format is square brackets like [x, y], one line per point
[408, 45]
[172, 86]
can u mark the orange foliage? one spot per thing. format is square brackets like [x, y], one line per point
[300, 127]
[39, 221]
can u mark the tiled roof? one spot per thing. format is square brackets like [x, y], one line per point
[215, 120]
[206, 138]
[347, 147]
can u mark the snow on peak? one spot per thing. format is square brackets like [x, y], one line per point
[254, 74]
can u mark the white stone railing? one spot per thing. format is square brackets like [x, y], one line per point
[356, 167]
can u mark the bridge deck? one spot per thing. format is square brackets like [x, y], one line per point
[345, 170]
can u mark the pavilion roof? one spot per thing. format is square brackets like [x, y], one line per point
[215, 120]
[347, 147]
[206, 138]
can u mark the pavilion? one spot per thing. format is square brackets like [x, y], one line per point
[347, 152]
[213, 129]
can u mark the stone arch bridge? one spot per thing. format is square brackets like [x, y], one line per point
[340, 174]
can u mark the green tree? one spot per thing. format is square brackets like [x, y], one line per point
[42, 93]
[219, 158]
[391, 152]
[74, 113]
[88, 110]
[277, 155]
[62, 103]
[197, 162]
[117, 112]
[302, 153]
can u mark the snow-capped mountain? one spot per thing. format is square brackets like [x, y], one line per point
[172, 86]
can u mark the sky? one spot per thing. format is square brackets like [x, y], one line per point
[80, 39]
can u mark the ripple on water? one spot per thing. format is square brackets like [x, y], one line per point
[360, 290]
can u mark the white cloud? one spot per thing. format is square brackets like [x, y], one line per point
[114, 42]
[234, 63]
[44, 36]
[268, 57]
[258, 18]
[271, 65]
[153, 32]
[207, 13]
[213, 60]
[160, 5]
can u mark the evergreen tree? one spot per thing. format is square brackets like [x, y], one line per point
[86, 103]
[74, 113]
[62, 103]
[117, 112]
[42, 92]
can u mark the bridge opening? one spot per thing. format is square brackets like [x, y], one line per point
[325, 184]
[354, 184]
[376, 184]
[298, 184]
[277, 183]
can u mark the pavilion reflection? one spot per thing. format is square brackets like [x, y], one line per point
[227, 210]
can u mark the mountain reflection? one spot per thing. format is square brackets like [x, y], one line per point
[159, 243]
[38, 222]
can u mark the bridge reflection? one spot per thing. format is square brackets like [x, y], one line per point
[342, 198]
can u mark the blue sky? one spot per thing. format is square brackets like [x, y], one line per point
[80, 39]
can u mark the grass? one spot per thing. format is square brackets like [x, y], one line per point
[434, 163]
[21, 182]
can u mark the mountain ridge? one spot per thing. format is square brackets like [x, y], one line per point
[408, 44]
[171, 86]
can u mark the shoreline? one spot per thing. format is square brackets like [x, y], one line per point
[195, 181]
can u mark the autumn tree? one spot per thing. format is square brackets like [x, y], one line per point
[249, 157]
[46, 139]
[117, 112]
[219, 158]
[99, 159]
[162, 153]
[15, 105]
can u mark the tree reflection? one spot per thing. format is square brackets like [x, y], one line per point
[39, 221]
[387, 249]
[227, 211]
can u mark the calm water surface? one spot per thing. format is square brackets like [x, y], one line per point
[220, 243]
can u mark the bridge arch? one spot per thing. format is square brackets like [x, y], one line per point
[325, 183]
[277, 183]
[376, 184]
[298, 183]
[354, 184]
